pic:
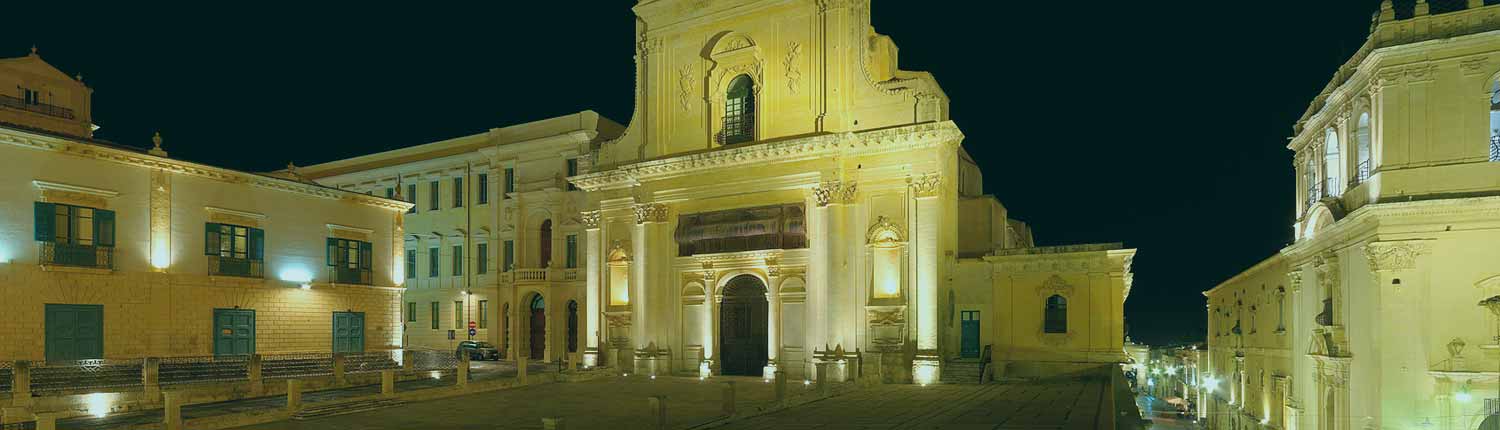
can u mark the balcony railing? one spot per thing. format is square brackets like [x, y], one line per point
[532, 275]
[1495, 148]
[63, 254]
[345, 275]
[227, 266]
[41, 108]
[1362, 172]
[1314, 193]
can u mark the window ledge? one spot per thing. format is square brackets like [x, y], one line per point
[1280, 332]
[76, 269]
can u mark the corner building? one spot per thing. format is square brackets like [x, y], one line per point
[784, 198]
[1385, 311]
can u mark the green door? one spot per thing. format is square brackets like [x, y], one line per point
[348, 332]
[969, 347]
[74, 332]
[234, 331]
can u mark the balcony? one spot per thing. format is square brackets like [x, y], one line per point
[542, 275]
[41, 108]
[533, 275]
[226, 266]
[63, 254]
[1362, 172]
[345, 275]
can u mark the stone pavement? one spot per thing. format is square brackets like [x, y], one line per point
[618, 403]
[1163, 416]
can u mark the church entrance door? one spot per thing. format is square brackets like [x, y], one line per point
[538, 333]
[742, 327]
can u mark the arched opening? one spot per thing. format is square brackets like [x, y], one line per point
[538, 333]
[544, 241]
[1331, 186]
[742, 327]
[1056, 315]
[505, 331]
[1362, 167]
[739, 112]
[572, 326]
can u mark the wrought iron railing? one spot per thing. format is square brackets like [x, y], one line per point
[7, 377]
[1495, 148]
[203, 369]
[228, 266]
[65, 254]
[370, 362]
[345, 275]
[41, 108]
[1314, 193]
[1362, 172]
[86, 376]
[434, 360]
[296, 365]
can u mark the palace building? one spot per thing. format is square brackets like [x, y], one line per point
[1385, 311]
[108, 252]
[785, 199]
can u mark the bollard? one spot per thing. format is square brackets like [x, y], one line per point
[253, 370]
[463, 371]
[388, 382]
[520, 369]
[150, 375]
[46, 421]
[727, 392]
[20, 394]
[338, 369]
[780, 387]
[658, 405]
[553, 424]
[823, 388]
[408, 361]
[293, 395]
[172, 411]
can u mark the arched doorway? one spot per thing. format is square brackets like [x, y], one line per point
[505, 332]
[538, 334]
[545, 241]
[572, 326]
[742, 327]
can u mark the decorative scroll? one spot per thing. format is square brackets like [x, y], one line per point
[747, 229]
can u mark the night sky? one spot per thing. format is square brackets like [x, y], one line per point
[1151, 123]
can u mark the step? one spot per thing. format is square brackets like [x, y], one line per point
[345, 408]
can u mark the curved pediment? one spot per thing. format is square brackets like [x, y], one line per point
[729, 42]
[885, 233]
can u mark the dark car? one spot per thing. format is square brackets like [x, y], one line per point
[477, 350]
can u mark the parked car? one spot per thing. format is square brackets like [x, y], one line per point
[477, 350]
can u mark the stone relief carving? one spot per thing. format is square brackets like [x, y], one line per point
[650, 212]
[619, 251]
[925, 185]
[1055, 285]
[1295, 279]
[834, 192]
[886, 317]
[887, 328]
[885, 233]
[589, 219]
[793, 75]
[1391, 256]
[1473, 66]
[685, 81]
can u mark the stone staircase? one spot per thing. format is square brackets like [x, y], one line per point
[344, 408]
[963, 371]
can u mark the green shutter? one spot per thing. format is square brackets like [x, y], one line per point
[210, 239]
[366, 253]
[104, 228]
[257, 244]
[46, 220]
[333, 250]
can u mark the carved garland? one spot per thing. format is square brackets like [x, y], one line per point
[834, 192]
[925, 185]
[1393, 256]
[793, 75]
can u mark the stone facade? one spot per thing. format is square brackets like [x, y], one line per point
[1387, 289]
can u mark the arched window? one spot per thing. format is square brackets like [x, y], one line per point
[1331, 186]
[1362, 149]
[1310, 176]
[739, 112]
[1056, 319]
[1495, 121]
[544, 240]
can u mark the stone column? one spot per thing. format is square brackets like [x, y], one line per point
[293, 395]
[593, 293]
[161, 216]
[150, 375]
[925, 238]
[773, 320]
[408, 361]
[46, 421]
[254, 370]
[21, 384]
[339, 369]
[388, 383]
[647, 239]
[815, 326]
[172, 413]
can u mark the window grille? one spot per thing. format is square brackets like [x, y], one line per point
[1495, 147]
[739, 112]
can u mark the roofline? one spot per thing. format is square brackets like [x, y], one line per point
[1274, 258]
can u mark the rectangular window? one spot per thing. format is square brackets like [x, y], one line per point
[572, 251]
[234, 250]
[458, 316]
[572, 171]
[484, 314]
[435, 316]
[411, 264]
[510, 256]
[510, 181]
[390, 193]
[484, 189]
[411, 312]
[350, 261]
[411, 197]
[432, 262]
[458, 192]
[62, 224]
[458, 260]
[433, 199]
[482, 258]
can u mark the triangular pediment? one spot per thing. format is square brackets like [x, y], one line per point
[33, 64]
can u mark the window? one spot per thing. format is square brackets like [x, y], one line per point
[481, 258]
[234, 250]
[572, 171]
[411, 311]
[1056, 319]
[458, 260]
[390, 192]
[1310, 176]
[411, 264]
[458, 192]
[572, 251]
[484, 314]
[544, 244]
[1331, 164]
[484, 188]
[411, 197]
[350, 260]
[435, 311]
[510, 255]
[1280, 309]
[458, 315]
[30, 96]
[1362, 149]
[739, 112]
[510, 181]
[432, 199]
[75, 235]
[432, 262]
[1495, 122]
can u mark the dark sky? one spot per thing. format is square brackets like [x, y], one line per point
[1158, 125]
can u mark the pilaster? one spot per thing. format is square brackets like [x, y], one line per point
[593, 262]
[161, 219]
[925, 239]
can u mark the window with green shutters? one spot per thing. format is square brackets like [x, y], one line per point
[458, 315]
[572, 251]
[234, 250]
[481, 258]
[572, 171]
[75, 235]
[432, 199]
[510, 181]
[411, 264]
[390, 193]
[458, 260]
[350, 261]
[484, 188]
[484, 314]
[435, 316]
[411, 312]
[411, 197]
[432, 262]
[458, 192]
[510, 256]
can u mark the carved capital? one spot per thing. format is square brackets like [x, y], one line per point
[925, 185]
[1294, 278]
[834, 192]
[1394, 256]
[650, 212]
[589, 219]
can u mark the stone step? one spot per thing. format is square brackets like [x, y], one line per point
[345, 408]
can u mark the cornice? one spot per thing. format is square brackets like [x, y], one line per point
[877, 141]
[99, 152]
